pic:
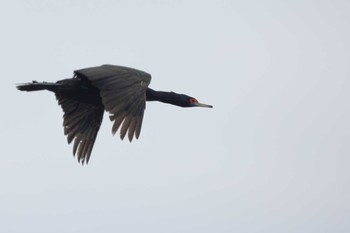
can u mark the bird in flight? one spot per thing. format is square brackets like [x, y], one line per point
[119, 90]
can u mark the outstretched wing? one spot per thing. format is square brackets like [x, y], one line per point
[81, 123]
[123, 93]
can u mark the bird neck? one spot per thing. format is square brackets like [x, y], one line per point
[165, 97]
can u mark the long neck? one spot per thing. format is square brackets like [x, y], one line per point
[165, 97]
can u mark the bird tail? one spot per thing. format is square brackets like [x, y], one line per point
[36, 86]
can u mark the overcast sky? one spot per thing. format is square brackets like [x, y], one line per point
[271, 156]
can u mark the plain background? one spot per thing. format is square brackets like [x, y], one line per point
[271, 156]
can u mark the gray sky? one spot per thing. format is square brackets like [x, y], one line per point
[271, 156]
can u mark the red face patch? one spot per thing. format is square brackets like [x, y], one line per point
[193, 100]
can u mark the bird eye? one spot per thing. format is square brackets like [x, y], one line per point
[193, 100]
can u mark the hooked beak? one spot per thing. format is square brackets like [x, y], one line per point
[202, 105]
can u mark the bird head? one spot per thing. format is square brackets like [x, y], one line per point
[193, 102]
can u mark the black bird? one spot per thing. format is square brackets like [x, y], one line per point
[119, 90]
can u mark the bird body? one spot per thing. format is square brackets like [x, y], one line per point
[119, 90]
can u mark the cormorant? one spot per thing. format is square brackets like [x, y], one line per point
[119, 90]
